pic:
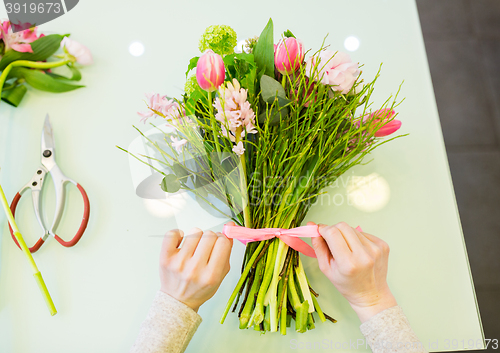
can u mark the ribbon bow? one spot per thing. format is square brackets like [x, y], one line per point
[290, 237]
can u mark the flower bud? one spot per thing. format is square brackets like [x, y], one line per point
[79, 51]
[384, 117]
[288, 55]
[210, 71]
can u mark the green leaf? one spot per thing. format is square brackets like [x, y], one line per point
[43, 48]
[179, 170]
[75, 75]
[15, 95]
[170, 183]
[288, 34]
[271, 89]
[242, 67]
[199, 184]
[264, 50]
[42, 81]
[192, 64]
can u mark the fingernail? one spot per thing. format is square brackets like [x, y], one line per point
[194, 231]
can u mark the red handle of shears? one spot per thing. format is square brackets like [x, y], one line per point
[76, 238]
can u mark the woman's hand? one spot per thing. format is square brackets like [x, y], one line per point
[356, 264]
[193, 273]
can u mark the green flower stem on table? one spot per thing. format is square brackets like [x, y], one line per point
[36, 272]
[31, 65]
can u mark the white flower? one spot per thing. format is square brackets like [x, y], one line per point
[239, 149]
[79, 51]
[178, 144]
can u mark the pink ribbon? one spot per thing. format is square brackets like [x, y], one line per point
[290, 237]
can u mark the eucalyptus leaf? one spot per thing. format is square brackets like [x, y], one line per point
[199, 184]
[180, 171]
[15, 95]
[271, 89]
[170, 183]
[42, 48]
[264, 50]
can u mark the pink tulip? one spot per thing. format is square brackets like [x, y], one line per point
[388, 128]
[288, 55]
[210, 71]
[384, 115]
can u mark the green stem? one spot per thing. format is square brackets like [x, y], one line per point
[243, 184]
[241, 281]
[302, 313]
[212, 120]
[30, 64]
[247, 309]
[273, 302]
[294, 297]
[283, 308]
[318, 309]
[304, 286]
[259, 304]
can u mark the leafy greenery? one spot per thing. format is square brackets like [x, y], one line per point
[40, 80]
[43, 48]
[14, 95]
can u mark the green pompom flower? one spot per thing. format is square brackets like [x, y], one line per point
[220, 38]
[190, 85]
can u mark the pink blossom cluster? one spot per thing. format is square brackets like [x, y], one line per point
[161, 104]
[19, 41]
[233, 112]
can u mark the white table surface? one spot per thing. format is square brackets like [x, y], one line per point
[103, 287]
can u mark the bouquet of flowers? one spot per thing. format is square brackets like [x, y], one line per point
[256, 137]
[24, 59]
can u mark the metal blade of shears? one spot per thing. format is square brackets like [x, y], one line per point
[47, 137]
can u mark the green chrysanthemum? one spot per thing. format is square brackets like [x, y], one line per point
[221, 39]
[190, 85]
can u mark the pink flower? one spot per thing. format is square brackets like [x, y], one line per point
[288, 55]
[178, 144]
[210, 71]
[239, 149]
[384, 120]
[334, 69]
[163, 107]
[79, 51]
[233, 110]
[19, 41]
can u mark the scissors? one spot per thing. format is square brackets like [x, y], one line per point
[49, 165]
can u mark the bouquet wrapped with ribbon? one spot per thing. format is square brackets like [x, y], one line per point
[256, 137]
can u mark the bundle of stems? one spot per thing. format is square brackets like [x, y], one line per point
[307, 136]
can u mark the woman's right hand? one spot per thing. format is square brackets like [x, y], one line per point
[356, 263]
